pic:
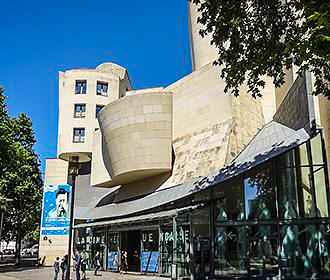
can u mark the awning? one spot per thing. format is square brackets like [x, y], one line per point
[272, 140]
[139, 219]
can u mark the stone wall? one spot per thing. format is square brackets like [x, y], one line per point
[117, 79]
[56, 173]
[297, 110]
[137, 136]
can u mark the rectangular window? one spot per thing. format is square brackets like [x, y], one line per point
[98, 109]
[79, 135]
[102, 89]
[79, 110]
[81, 87]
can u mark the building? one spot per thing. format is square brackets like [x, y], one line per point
[82, 94]
[186, 175]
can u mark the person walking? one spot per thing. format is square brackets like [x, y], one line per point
[77, 259]
[124, 263]
[56, 267]
[64, 266]
[97, 263]
[83, 266]
[136, 260]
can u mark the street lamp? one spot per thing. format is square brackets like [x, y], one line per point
[73, 171]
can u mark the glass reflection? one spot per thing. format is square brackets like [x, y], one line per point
[166, 247]
[317, 245]
[242, 240]
[312, 240]
[229, 192]
[263, 259]
[321, 192]
[201, 242]
[221, 237]
[259, 194]
[316, 147]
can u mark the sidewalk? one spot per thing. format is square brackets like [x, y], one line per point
[46, 273]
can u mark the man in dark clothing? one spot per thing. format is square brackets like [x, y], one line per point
[77, 258]
[56, 268]
[97, 263]
[64, 266]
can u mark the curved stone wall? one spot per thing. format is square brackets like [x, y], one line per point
[202, 52]
[137, 136]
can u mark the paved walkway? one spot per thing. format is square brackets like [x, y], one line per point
[46, 273]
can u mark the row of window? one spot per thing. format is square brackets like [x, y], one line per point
[80, 110]
[101, 88]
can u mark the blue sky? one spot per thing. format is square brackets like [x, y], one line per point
[39, 38]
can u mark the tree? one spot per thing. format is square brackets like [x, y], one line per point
[20, 177]
[257, 38]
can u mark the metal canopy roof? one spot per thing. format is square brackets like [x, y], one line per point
[142, 218]
[272, 140]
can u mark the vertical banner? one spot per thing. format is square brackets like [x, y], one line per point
[55, 210]
[113, 260]
[149, 261]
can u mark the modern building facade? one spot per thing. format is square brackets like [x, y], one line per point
[82, 95]
[185, 175]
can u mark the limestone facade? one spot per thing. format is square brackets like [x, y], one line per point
[137, 136]
[203, 53]
[54, 246]
[155, 138]
[81, 93]
[56, 171]
[201, 50]
[71, 95]
[208, 130]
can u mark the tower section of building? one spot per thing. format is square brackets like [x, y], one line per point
[82, 95]
[202, 52]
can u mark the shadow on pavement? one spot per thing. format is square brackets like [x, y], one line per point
[26, 264]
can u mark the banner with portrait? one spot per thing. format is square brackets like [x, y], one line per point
[55, 210]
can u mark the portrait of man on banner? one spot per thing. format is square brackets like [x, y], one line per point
[61, 205]
[55, 213]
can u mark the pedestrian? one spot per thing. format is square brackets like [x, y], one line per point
[56, 267]
[136, 260]
[64, 266]
[77, 258]
[83, 266]
[97, 263]
[124, 261]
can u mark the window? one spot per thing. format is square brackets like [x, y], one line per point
[79, 135]
[102, 89]
[81, 87]
[79, 110]
[98, 109]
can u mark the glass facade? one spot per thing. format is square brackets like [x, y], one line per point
[113, 249]
[83, 243]
[273, 220]
[174, 245]
[270, 221]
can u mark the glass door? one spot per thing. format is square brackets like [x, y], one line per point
[201, 243]
[113, 248]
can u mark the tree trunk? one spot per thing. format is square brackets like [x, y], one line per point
[18, 242]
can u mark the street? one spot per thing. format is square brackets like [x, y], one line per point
[46, 273]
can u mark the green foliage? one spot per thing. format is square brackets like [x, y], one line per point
[20, 177]
[257, 38]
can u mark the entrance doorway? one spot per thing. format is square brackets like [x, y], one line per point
[201, 244]
[130, 242]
